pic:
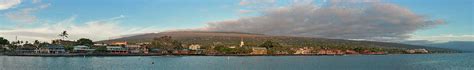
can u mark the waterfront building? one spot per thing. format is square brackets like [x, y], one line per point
[117, 50]
[134, 48]
[83, 49]
[53, 49]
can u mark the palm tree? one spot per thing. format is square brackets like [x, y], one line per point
[64, 35]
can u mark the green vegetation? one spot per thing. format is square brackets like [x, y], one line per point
[238, 50]
[4, 41]
[84, 41]
[270, 44]
[64, 35]
[166, 43]
[68, 48]
[209, 39]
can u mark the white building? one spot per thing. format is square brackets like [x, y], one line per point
[195, 47]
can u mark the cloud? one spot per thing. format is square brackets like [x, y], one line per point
[96, 30]
[255, 2]
[25, 15]
[242, 11]
[7, 4]
[35, 1]
[444, 38]
[338, 19]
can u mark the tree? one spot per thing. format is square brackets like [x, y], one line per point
[64, 34]
[85, 41]
[4, 41]
[270, 44]
[68, 48]
[36, 43]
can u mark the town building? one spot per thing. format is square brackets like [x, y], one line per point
[258, 50]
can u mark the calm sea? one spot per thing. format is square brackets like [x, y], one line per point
[459, 61]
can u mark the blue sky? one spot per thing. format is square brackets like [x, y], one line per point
[144, 16]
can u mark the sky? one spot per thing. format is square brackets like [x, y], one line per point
[377, 20]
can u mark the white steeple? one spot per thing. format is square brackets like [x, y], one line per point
[241, 42]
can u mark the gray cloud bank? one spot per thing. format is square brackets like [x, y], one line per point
[352, 19]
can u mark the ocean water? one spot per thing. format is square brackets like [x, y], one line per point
[457, 61]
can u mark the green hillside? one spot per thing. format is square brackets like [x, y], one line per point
[207, 39]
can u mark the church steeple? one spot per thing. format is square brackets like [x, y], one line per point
[241, 41]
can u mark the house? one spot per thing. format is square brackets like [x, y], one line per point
[304, 50]
[82, 49]
[134, 48]
[53, 49]
[195, 47]
[117, 50]
[259, 50]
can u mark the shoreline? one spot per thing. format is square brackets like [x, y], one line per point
[114, 55]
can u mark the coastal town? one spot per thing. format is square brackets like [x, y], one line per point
[165, 45]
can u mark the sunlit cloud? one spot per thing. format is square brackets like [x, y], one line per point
[354, 19]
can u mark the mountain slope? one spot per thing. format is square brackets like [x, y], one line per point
[458, 45]
[234, 38]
